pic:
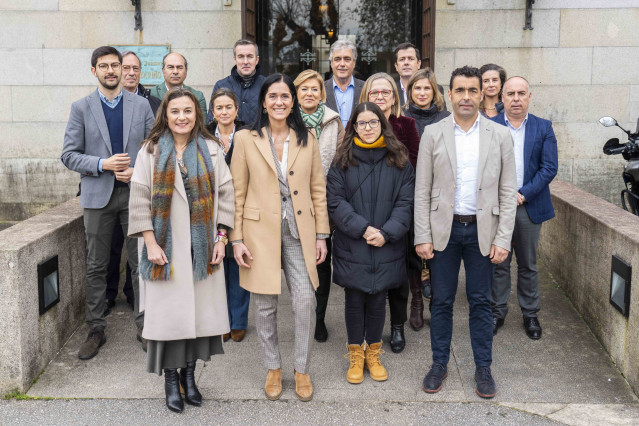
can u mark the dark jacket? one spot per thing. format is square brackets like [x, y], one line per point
[385, 201]
[424, 117]
[540, 166]
[247, 94]
[153, 101]
[406, 131]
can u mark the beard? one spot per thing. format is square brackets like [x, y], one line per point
[110, 86]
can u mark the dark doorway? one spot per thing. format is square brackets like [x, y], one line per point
[294, 35]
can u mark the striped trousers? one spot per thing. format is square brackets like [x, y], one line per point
[303, 303]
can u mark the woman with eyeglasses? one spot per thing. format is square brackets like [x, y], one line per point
[493, 78]
[281, 223]
[329, 131]
[370, 200]
[381, 90]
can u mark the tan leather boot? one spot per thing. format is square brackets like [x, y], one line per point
[373, 364]
[355, 373]
[303, 387]
[273, 386]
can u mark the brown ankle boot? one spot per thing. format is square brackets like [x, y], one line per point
[355, 373]
[303, 387]
[416, 319]
[373, 364]
[273, 386]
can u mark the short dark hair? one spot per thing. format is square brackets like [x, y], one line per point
[465, 71]
[500, 71]
[245, 42]
[186, 64]
[103, 51]
[407, 46]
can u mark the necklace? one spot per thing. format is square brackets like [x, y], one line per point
[179, 151]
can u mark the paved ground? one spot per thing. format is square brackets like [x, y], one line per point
[565, 377]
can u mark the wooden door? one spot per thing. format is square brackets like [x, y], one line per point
[428, 33]
[249, 20]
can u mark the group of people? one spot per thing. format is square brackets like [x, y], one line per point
[372, 185]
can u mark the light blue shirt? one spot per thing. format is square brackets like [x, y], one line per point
[110, 104]
[344, 100]
[519, 136]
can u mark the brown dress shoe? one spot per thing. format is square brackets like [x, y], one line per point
[91, 346]
[238, 335]
[273, 386]
[303, 387]
[226, 336]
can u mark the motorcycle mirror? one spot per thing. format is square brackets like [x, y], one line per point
[608, 121]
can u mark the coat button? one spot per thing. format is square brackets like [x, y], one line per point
[294, 192]
[299, 212]
[291, 173]
[283, 198]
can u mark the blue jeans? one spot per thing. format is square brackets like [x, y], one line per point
[236, 297]
[444, 267]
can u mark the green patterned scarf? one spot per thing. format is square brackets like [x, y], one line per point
[197, 160]
[314, 120]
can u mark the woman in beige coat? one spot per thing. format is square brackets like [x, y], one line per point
[181, 206]
[281, 222]
[327, 127]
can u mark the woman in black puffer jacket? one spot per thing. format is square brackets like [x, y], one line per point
[370, 194]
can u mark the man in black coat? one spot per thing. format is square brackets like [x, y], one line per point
[245, 81]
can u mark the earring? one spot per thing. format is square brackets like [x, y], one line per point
[264, 110]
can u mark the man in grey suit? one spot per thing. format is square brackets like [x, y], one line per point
[101, 142]
[343, 90]
[465, 203]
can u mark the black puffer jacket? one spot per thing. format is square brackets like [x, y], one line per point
[424, 117]
[247, 94]
[384, 201]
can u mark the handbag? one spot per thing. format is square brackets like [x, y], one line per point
[425, 280]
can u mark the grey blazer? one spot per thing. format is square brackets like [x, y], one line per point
[435, 185]
[330, 93]
[86, 140]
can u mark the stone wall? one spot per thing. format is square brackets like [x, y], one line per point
[28, 340]
[581, 58]
[577, 247]
[46, 48]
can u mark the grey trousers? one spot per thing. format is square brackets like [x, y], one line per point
[303, 303]
[524, 246]
[98, 224]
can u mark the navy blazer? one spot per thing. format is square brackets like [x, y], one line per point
[540, 166]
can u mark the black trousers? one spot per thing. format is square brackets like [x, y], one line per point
[324, 288]
[113, 270]
[365, 315]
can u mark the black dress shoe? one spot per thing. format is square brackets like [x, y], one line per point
[497, 324]
[434, 380]
[321, 333]
[486, 387]
[172, 390]
[108, 305]
[533, 328]
[397, 342]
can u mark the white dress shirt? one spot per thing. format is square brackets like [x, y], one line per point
[519, 136]
[467, 151]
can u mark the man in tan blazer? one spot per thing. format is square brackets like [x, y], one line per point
[465, 204]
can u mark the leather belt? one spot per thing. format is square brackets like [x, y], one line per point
[469, 218]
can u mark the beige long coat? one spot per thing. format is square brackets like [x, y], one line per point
[258, 214]
[180, 308]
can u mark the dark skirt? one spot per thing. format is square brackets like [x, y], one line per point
[176, 353]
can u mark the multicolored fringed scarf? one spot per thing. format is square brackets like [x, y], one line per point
[197, 161]
[314, 120]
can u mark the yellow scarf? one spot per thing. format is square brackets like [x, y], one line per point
[379, 143]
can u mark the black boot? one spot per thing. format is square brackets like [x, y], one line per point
[187, 379]
[397, 342]
[172, 389]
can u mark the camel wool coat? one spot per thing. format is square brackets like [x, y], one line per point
[180, 308]
[258, 214]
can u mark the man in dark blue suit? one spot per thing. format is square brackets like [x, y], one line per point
[536, 164]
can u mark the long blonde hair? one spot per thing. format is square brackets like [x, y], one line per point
[427, 73]
[396, 109]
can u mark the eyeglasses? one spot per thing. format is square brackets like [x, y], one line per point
[114, 66]
[375, 93]
[374, 124]
[127, 68]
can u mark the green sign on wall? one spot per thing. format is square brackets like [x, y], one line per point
[151, 57]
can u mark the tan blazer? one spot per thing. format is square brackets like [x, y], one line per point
[258, 206]
[435, 185]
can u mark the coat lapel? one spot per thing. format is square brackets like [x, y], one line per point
[529, 141]
[449, 141]
[95, 104]
[264, 146]
[127, 116]
[485, 138]
[293, 150]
